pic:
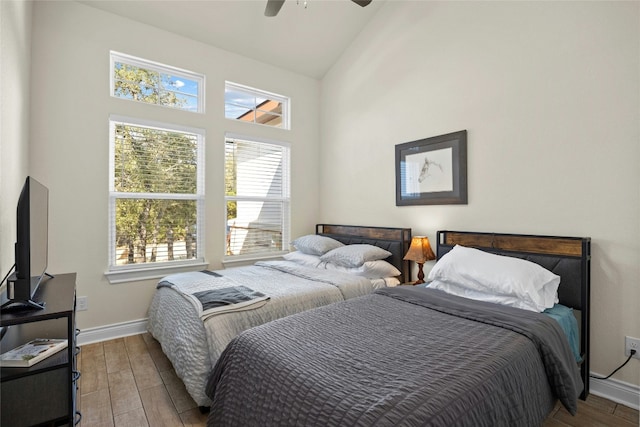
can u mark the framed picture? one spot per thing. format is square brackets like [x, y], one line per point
[432, 171]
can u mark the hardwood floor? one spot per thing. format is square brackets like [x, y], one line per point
[129, 382]
[596, 411]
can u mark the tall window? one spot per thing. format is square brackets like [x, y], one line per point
[255, 106]
[156, 193]
[153, 83]
[257, 196]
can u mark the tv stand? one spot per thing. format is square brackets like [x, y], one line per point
[45, 393]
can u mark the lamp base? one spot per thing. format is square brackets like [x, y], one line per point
[420, 274]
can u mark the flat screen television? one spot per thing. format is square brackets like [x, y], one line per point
[32, 244]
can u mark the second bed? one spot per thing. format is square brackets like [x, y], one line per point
[193, 333]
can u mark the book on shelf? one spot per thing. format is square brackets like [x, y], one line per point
[32, 352]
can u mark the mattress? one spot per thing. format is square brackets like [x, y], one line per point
[193, 346]
[398, 357]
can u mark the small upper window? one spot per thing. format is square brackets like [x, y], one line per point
[252, 105]
[153, 83]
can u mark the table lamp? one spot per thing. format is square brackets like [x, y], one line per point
[420, 251]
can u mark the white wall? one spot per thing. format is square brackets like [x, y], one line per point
[549, 94]
[71, 105]
[15, 69]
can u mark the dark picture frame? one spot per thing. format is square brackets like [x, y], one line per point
[432, 171]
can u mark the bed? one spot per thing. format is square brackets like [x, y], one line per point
[193, 331]
[417, 356]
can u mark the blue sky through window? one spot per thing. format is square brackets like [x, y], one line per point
[184, 89]
[237, 103]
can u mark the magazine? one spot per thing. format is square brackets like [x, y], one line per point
[32, 352]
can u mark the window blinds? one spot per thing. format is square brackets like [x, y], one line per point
[157, 193]
[257, 196]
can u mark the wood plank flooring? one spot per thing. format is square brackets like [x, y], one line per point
[129, 382]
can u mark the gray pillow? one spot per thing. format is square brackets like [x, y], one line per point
[313, 244]
[355, 255]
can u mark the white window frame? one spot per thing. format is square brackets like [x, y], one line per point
[286, 199]
[134, 272]
[160, 68]
[257, 93]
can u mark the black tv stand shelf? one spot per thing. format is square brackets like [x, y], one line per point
[45, 393]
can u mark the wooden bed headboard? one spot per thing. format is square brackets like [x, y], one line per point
[395, 240]
[568, 257]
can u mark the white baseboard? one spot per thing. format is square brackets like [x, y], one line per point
[109, 332]
[617, 391]
[612, 389]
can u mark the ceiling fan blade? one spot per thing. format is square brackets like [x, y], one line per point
[362, 3]
[273, 7]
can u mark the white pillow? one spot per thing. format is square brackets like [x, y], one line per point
[378, 269]
[391, 281]
[461, 291]
[387, 282]
[303, 259]
[355, 255]
[314, 244]
[475, 274]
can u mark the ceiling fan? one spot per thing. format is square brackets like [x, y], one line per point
[274, 6]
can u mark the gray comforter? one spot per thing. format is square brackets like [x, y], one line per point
[401, 356]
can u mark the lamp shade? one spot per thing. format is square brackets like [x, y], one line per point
[420, 250]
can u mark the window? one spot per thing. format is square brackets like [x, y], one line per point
[145, 81]
[255, 106]
[156, 194]
[257, 197]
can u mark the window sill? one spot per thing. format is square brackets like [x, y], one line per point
[139, 274]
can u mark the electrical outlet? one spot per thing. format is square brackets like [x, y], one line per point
[631, 343]
[82, 303]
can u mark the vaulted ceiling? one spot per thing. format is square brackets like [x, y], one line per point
[306, 39]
